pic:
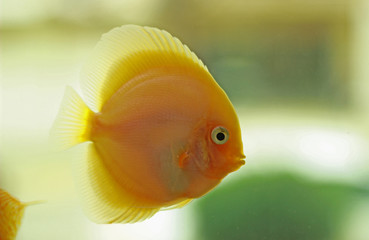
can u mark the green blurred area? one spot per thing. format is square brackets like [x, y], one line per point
[278, 206]
[296, 71]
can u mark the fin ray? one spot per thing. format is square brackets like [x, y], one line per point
[104, 200]
[101, 78]
[72, 124]
[178, 205]
[11, 214]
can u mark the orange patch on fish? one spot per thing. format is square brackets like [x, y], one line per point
[161, 130]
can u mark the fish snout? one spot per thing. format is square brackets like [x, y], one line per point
[229, 164]
[236, 162]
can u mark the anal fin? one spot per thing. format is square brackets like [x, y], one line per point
[104, 200]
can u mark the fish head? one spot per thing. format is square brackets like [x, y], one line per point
[225, 149]
[219, 150]
[216, 152]
[223, 136]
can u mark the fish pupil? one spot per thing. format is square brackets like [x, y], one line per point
[220, 136]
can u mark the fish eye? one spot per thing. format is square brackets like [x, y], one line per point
[219, 135]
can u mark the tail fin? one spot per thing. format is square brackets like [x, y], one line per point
[73, 122]
[11, 214]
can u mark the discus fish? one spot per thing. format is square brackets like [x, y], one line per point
[161, 131]
[11, 214]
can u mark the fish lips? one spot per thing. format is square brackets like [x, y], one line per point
[233, 164]
[236, 163]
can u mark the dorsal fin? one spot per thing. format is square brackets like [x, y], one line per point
[126, 51]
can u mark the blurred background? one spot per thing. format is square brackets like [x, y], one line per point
[296, 71]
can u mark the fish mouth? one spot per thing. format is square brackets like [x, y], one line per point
[232, 164]
[238, 162]
[242, 158]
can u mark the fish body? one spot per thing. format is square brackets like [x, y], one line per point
[161, 130]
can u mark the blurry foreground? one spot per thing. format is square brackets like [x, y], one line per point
[296, 71]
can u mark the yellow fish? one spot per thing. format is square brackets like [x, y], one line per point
[161, 130]
[11, 214]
